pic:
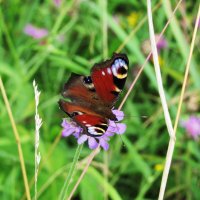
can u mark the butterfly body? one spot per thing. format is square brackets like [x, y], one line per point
[93, 97]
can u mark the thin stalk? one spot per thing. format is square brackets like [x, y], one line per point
[38, 124]
[63, 194]
[51, 179]
[171, 142]
[17, 138]
[145, 62]
[46, 157]
[158, 73]
[90, 158]
[105, 55]
[104, 28]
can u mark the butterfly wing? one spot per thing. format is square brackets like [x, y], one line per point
[109, 78]
[81, 91]
[92, 123]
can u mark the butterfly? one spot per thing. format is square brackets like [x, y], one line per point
[93, 97]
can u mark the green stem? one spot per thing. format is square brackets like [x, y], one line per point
[17, 138]
[63, 193]
[103, 5]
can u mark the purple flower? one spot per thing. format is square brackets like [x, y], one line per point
[35, 32]
[94, 141]
[57, 3]
[192, 126]
[162, 43]
[71, 128]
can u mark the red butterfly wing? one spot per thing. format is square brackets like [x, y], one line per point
[81, 91]
[92, 123]
[77, 90]
[109, 78]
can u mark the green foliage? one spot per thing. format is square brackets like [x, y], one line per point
[74, 44]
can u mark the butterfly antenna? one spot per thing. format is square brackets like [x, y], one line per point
[142, 116]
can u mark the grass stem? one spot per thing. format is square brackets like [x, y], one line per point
[171, 142]
[64, 191]
[145, 62]
[38, 124]
[17, 138]
[90, 158]
[158, 73]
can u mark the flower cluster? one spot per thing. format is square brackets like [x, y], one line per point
[133, 18]
[192, 126]
[71, 128]
[57, 3]
[161, 44]
[35, 32]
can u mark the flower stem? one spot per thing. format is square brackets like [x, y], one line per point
[171, 142]
[17, 138]
[63, 194]
[158, 73]
[145, 62]
[90, 158]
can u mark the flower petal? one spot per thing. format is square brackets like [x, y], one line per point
[104, 144]
[57, 3]
[119, 114]
[92, 143]
[162, 43]
[121, 128]
[78, 131]
[112, 126]
[65, 124]
[192, 126]
[35, 32]
[108, 133]
[67, 132]
[76, 135]
[82, 139]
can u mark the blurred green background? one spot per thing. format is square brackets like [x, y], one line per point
[74, 38]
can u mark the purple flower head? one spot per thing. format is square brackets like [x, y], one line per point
[35, 32]
[71, 128]
[192, 126]
[162, 43]
[57, 3]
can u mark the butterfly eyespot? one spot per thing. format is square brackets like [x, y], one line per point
[119, 68]
[87, 81]
[122, 70]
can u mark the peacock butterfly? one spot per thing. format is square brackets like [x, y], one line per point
[93, 97]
